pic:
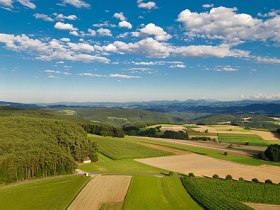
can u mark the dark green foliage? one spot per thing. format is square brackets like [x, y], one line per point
[151, 132]
[202, 138]
[131, 130]
[241, 179]
[191, 175]
[225, 153]
[272, 153]
[124, 117]
[212, 201]
[268, 181]
[228, 177]
[172, 173]
[215, 176]
[103, 130]
[222, 194]
[256, 121]
[175, 135]
[255, 180]
[34, 147]
[261, 156]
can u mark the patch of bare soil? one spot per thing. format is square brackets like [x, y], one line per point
[102, 189]
[260, 206]
[266, 135]
[202, 165]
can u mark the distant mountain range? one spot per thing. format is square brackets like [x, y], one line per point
[200, 106]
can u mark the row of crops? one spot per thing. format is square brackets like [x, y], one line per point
[223, 194]
[250, 139]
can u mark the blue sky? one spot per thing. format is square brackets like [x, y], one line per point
[139, 50]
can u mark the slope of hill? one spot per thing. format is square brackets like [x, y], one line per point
[32, 147]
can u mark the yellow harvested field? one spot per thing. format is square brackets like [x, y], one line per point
[222, 129]
[260, 206]
[266, 135]
[202, 165]
[203, 128]
[101, 189]
[168, 127]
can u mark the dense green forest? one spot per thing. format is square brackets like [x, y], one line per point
[119, 116]
[90, 127]
[155, 132]
[103, 130]
[38, 147]
[250, 122]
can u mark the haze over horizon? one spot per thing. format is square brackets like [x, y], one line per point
[93, 51]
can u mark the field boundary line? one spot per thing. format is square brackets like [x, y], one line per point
[79, 191]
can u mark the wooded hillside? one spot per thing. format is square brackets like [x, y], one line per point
[37, 147]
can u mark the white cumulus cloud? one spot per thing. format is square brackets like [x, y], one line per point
[43, 17]
[8, 4]
[104, 32]
[125, 24]
[158, 32]
[61, 17]
[146, 5]
[227, 24]
[65, 26]
[76, 3]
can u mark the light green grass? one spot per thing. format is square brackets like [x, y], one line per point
[253, 140]
[117, 149]
[156, 193]
[112, 206]
[106, 164]
[209, 152]
[117, 118]
[53, 193]
[69, 112]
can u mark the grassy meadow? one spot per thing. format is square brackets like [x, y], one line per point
[129, 166]
[51, 193]
[158, 193]
[117, 149]
[253, 140]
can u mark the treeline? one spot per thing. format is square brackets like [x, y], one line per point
[103, 130]
[155, 132]
[255, 121]
[34, 147]
[272, 153]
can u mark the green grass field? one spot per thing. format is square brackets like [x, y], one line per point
[166, 193]
[253, 140]
[118, 149]
[52, 193]
[225, 128]
[209, 152]
[129, 166]
[222, 194]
